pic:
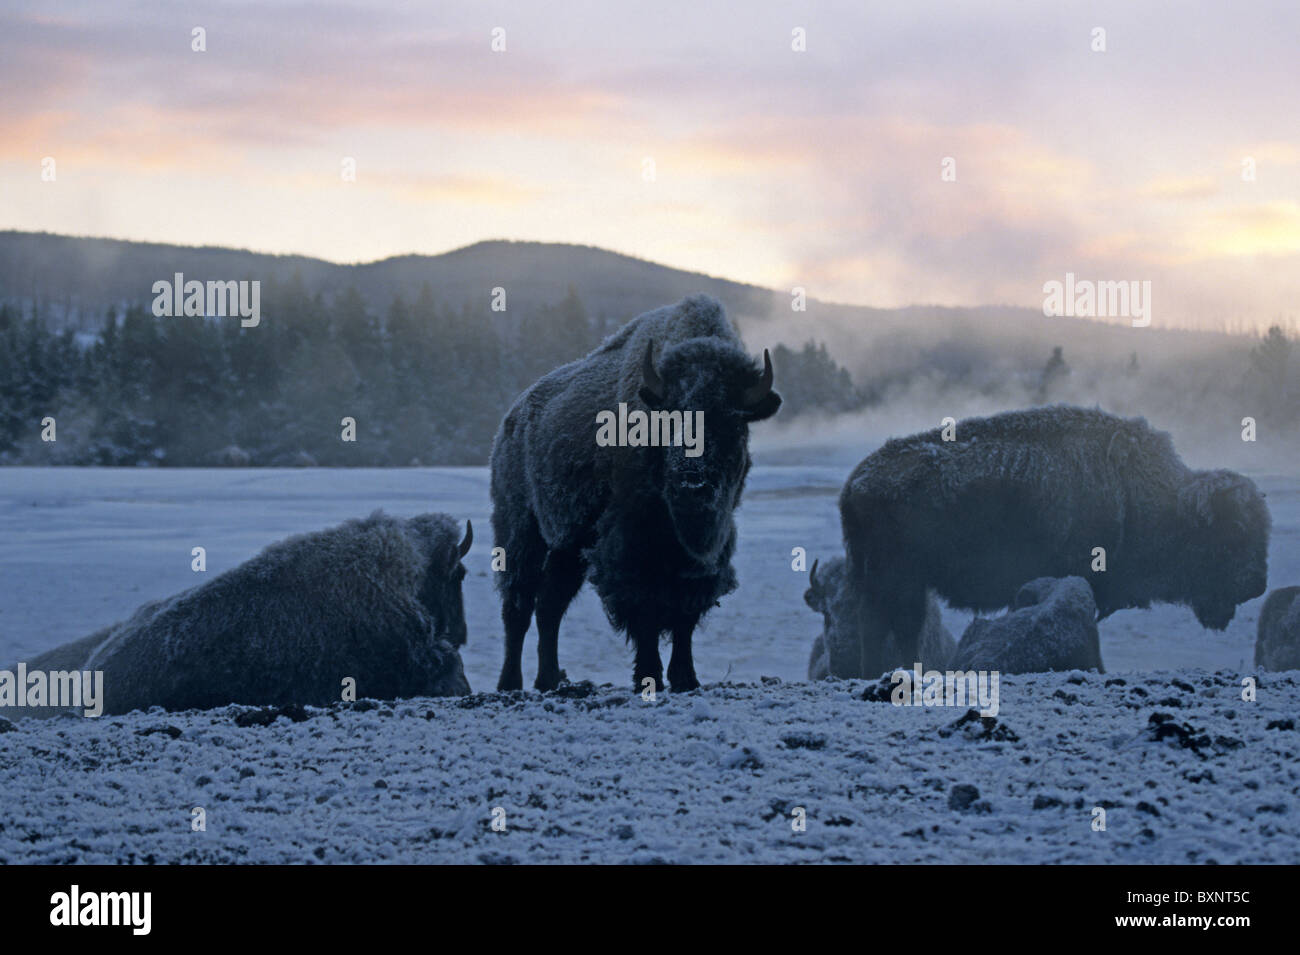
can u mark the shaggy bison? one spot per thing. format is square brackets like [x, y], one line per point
[1053, 627]
[1030, 494]
[1277, 646]
[377, 600]
[649, 524]
[855, 642]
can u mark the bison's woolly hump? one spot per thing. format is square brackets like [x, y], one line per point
[1033, 493]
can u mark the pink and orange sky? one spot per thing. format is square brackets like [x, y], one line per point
[818, 168]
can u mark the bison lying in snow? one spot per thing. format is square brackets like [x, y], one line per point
[1053, 627]
[855, 642]
[1030, 494]
[651, 526]
[377, 600]
[1277, 647]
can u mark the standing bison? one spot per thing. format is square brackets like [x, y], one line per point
[377, 600]
[650, 526]
[1033, 493]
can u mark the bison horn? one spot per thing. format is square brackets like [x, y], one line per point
[812, 576]
[468, 540]
[756, 393]
[650, 379]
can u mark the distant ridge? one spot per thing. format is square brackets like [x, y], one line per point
[80, 278]
[77, 279]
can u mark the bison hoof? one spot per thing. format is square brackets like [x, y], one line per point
[510, 681]
[549, 681]
[683, 682]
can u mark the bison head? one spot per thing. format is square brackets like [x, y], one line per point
[824, 589]
[701, 485]
[440, 587]
[828, 595]
[1227, 524]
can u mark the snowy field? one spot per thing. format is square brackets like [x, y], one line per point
[83, 548]
[711, 776]
[599, 775]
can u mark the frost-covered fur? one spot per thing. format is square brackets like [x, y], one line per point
[650, 527]
[376, 599]
[1030, 494]
[1277, 646]
[855, 642]
[1052, 628]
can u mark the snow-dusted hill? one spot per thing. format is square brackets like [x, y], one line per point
[597, 775]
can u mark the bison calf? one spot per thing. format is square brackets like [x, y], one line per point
[377, 600]
[1036, 493]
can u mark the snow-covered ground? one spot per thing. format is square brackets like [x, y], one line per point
[599, 775]
[711, 776]
[82, 548]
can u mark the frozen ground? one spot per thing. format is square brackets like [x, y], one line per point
[706, 776]
[82, 548]
[710, 776]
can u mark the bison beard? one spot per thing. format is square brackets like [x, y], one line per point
[1030, 494]
[651, 527]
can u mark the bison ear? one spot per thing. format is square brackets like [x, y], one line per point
[764, 409]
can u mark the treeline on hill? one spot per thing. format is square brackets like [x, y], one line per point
[425, 383]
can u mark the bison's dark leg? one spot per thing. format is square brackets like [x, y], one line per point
[681, 666]
[905, 612]
[561, 581]
[648, 664]
[516, 611]
[522, 578]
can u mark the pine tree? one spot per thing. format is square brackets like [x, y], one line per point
[1270, 362]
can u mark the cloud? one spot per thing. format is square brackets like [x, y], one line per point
[1271, 228]
[819, 168]
[1186, 187]
[466, 189]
